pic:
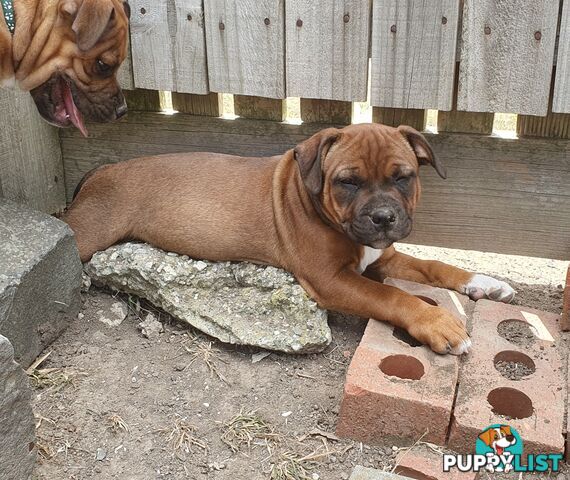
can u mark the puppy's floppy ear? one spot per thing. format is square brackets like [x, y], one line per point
[487, 436]
[91, 22]
[127, 9]
[310, 154]
[422, 149]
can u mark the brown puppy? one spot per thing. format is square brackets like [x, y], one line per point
[327, 211]
[66, 53]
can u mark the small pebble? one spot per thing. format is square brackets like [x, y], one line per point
[101, 454]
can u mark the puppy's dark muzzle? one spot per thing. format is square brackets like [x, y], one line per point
[383, 219]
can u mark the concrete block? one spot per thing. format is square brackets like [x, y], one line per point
[17, 428]
[426, 464]
[515, 375]
[397, 389]
[363, 473]
[40, 278]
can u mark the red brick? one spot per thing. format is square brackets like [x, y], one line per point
[545, 388]
[565, 319]
[421, 463]
[378, 407]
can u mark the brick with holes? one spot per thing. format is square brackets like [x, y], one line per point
[396, 388]
[515, 376]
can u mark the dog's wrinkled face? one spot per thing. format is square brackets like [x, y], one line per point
[364, 179]
[76, 69]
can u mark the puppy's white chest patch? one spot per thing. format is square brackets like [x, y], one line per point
[369, 256]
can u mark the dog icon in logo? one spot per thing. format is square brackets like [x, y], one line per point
[499, 438]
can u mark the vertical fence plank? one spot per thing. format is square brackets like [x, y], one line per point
[31, 166]
[464, 122]
[561, 102]
[413, 53]
[506, 56]
[259, 108]
[125, 73]
[168, 45]
[327, 49]
[207, 105]
[246, 46]
[326, 111]
[394, 117]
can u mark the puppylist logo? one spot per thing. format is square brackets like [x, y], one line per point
[499, 448]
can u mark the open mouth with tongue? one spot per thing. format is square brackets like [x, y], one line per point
[56, 104]
[66, 112]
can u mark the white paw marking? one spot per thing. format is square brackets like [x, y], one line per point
[369, 256]
[462, 348]
[482, 286]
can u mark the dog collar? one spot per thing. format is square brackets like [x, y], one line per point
[8, 7]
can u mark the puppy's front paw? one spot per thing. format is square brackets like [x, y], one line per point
[439, 329]
[482, 286]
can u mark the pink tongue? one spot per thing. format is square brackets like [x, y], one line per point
[74, 115]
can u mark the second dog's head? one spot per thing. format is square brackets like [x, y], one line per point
[364, 179]
[69, 58]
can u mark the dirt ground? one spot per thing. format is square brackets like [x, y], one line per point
[111, 404]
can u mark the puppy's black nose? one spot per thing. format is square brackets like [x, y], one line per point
[510, 438]
[121, 110]
[383, 217]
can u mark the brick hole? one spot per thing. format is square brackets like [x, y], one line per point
[517, 332]
[510, 403]
[514, 365]
[429, 300]
[402, 366]
[405, 337]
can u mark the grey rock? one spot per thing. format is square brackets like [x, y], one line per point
[40, 279]
[238, 303]
[150, 327]
[364, 473]
[100, 454]
[112, 313]
[17, 428]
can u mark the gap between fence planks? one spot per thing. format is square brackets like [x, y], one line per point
[496, 188]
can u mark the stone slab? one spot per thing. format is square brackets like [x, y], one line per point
[17, 427]
[364, 473]
[239, 303]
[40, 279]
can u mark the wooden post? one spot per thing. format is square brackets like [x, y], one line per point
[31, 166]
[259, 108]
[208, 105]
[394, 117]
[326, 111]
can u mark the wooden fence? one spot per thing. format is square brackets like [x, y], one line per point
[466, 59]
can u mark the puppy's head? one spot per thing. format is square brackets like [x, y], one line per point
[74, 72]
[364, 179]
